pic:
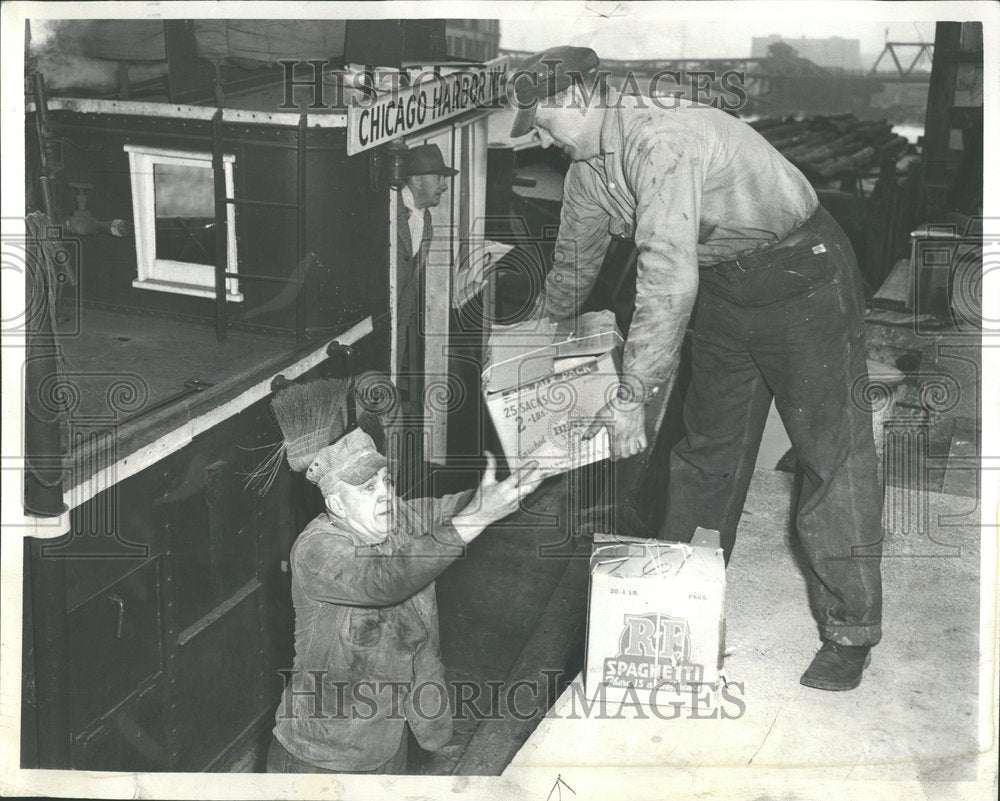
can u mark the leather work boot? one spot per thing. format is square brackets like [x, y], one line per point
[837, 667]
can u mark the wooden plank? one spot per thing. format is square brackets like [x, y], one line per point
[232, 602]
[135, 108]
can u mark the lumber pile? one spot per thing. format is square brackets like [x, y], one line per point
[831, 147]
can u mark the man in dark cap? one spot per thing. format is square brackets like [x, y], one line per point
[718, 214]
[367, 655]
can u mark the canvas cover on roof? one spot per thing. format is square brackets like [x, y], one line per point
[261, 40]
[268, 40]
[118, 39]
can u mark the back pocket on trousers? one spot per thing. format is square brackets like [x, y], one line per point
[804, 272]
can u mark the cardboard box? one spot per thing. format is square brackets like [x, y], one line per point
[545, 383]
[655, 619]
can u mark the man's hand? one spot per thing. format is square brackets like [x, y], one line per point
[626, 424]
[494, 500]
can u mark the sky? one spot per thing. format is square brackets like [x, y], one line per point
[629, 36]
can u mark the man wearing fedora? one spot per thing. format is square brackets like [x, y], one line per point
[367, 656]
[718, 214]
[426, 181]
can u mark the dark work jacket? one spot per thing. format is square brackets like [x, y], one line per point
[366, 637]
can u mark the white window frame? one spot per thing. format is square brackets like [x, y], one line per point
[167, 275]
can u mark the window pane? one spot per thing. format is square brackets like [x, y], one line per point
[185, 213]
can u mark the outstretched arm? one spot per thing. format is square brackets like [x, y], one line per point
[666, 176]
[332, 568]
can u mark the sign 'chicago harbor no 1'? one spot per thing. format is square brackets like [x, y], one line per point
[428, 100]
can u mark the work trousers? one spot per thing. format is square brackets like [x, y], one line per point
[787, 323]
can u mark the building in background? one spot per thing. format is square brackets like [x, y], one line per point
[473, 39]
[833, 52]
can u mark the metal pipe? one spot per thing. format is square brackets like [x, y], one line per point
[41, 100]
[272, 204]
[84, 225]
[44, 133]
[300, 233]
[272, 279]
[221, 233]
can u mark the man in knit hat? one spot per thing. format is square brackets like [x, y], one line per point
[367, 660]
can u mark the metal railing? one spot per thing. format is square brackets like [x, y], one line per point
[222, 203]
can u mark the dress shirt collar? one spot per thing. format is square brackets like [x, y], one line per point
[415, 218]
[407, 197]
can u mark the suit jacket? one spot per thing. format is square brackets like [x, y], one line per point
[410, 274]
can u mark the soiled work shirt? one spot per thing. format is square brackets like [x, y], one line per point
[367, 654]
[693, 186]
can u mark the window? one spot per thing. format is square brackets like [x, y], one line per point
[173, 204]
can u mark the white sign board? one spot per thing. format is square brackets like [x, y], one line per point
[375, 119]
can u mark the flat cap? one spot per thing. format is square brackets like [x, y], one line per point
[545, 74]
[352, 458]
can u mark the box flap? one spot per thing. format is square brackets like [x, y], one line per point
[706, 538]
[518, 354]
[633, 557]
[593, 334]
[523, 353]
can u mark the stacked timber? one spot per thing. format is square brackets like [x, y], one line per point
[831, 147]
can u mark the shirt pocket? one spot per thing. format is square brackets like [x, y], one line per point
[364, 629]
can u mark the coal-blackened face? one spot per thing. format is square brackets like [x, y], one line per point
[427, 189]
[365, 508]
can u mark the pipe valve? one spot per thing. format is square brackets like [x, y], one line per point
[83, 223]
